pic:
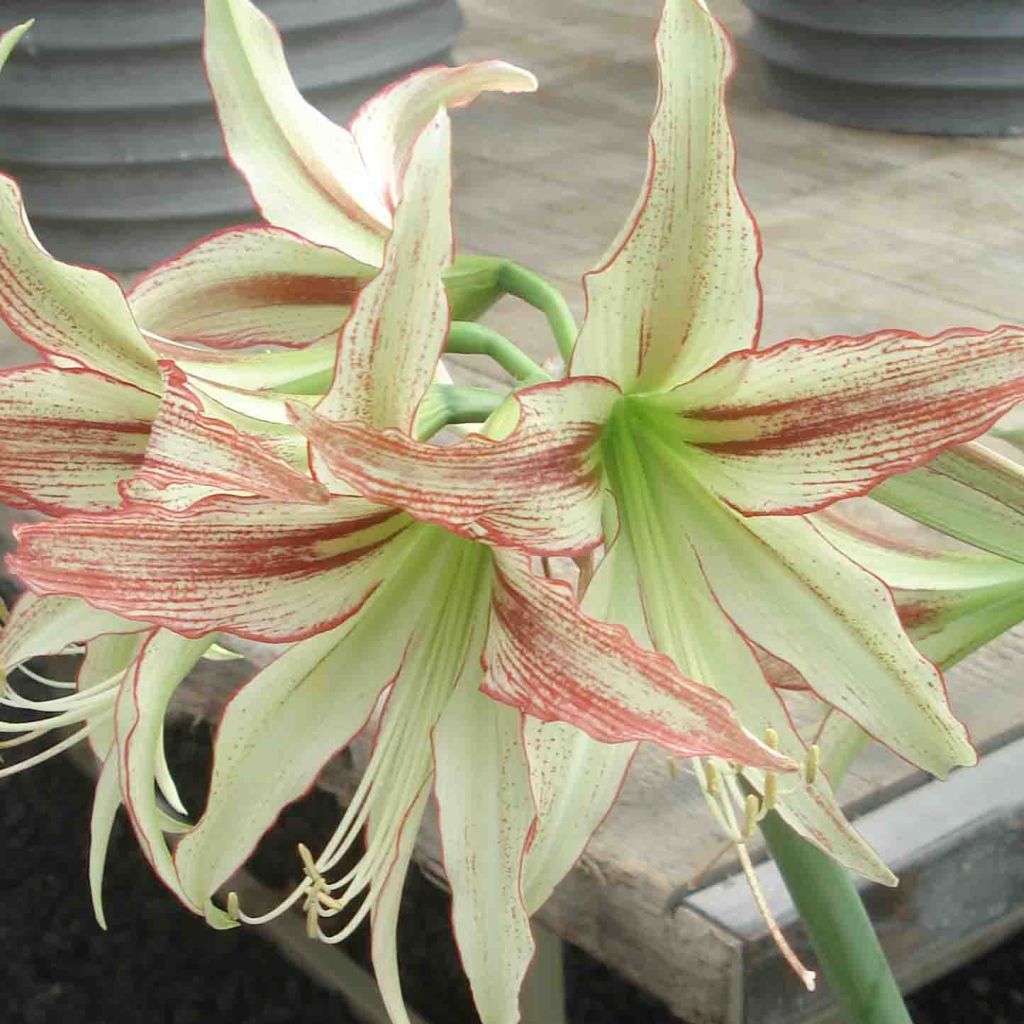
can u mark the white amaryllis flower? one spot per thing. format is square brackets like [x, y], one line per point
[711, 452]
[327, 192]
[375, 603]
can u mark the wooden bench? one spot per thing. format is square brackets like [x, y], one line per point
[704, 950]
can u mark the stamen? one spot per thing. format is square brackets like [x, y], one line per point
[57, 748]
[57, 684]
[673, 768]
[19, 741]
[234, 911]
[806, 976]
[318, 894]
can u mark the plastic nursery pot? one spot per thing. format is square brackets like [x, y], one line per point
[106, 119]
[942, 67]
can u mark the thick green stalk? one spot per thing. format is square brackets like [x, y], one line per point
[533, 289]
[466, 338]
[839, 928]
[446, 404]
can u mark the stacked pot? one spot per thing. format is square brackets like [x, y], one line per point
[935, 66]
[107, 122]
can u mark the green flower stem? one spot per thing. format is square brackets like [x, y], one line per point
[533, 289]
[449, 403]
[466, 338]
[840, 930]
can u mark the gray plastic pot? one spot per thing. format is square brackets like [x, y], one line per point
[107, 122]
[943, 67]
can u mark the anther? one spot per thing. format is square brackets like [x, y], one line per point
[234, 911]
[319, 894]
[751, 815]
[673, 768]
[812, 763]
[712, 779]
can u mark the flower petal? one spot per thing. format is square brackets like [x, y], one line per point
[305, 172]
[106, 657]
[48, 625]
[486, 815]
[162, 664]
[386, 126]
[247, 286]
[576, 778]
[391, 344]
[276, 734]
[797, 596]
[969, 492]
[795, 427]
[200, 443]
[68, 437]
[555, 663]
[64, 310]
[539, 489]
[10, 38]
[950, 602]
[679, 289]
[682, 618]
[387, 900]
[266, 570]
[105, 804]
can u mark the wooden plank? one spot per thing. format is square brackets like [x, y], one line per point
[955, 845]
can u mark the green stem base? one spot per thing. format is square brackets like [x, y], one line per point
[851, 958]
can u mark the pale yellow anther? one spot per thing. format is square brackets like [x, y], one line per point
[673, 768]
[751, 814]
[319, 894]
[712, 779]
[812, 763]
[307, 861]
[771, 738]
[234, 911]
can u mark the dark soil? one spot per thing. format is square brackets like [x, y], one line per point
[160, 965]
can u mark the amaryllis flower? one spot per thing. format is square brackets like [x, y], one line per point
[327, 192]
[375, 604]
[711, 451]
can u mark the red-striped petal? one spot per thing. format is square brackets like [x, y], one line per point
[199, 442]
[68, 437]
[267, 570]
[538, 489]
[795, 427]
[679, 288]
[63, 310]
[391, 344]
[557, 664]
[250, 285]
